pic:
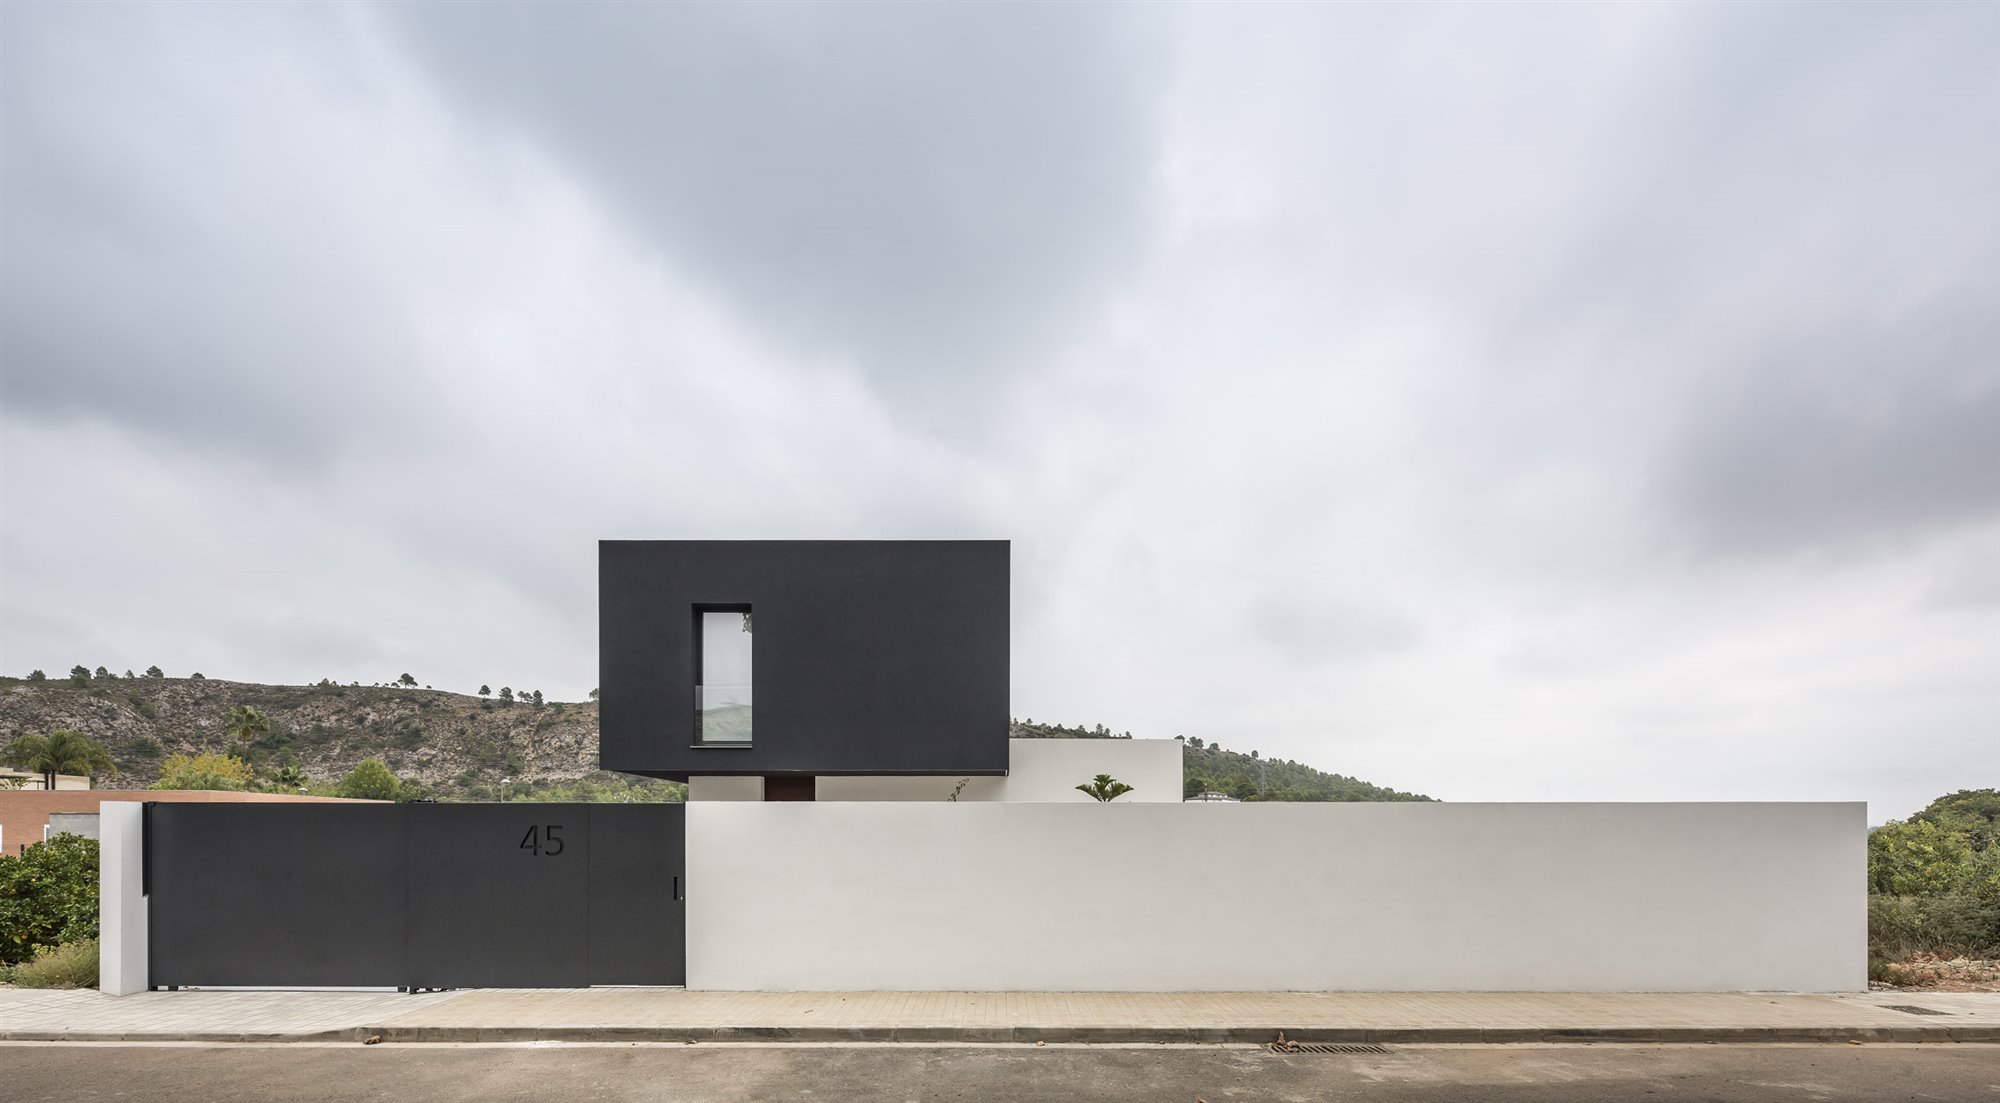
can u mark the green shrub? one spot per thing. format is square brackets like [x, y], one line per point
[371, 780]
[1883, 971]
[70, 965]
[1956, 925]
[410, 789]
[321, 734]
[48, 896]
[1918, 858]
[204, 771]
[596, 788]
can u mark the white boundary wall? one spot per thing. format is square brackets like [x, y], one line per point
[1037, 770]
[1273, 897]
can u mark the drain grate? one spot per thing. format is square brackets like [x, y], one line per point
[1326, 1047]
[1908, 1009]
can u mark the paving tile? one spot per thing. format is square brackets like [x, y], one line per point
[660, 1012]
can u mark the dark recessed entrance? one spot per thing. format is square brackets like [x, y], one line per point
[790, 788]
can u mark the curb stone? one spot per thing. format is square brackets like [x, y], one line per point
[1029, 1034]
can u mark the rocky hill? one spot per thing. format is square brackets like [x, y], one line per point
[460, 746]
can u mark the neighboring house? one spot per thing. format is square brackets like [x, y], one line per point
[11, 779]
[81, 824]
[30, 816]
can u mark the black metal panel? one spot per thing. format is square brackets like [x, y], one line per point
[489, 911]
[638, 914]
[423, 896]
[872, 657]
[292, 894]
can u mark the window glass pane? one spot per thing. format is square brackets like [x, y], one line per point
[722, 700]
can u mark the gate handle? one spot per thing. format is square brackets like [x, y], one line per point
[677, 887]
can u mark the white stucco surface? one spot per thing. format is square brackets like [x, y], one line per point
[121, 902]
[725, 788]
[1248, 897]
[1038, 770]
[934, 788]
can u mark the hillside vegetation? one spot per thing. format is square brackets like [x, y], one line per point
[448, 745]
[451, 746]
[1934, 893]
[1206, 767]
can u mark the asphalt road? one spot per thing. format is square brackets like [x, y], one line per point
[1217, 1074]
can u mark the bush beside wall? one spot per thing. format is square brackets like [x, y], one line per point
[1948, 926]
[48, 896]
[1934, 883]
[71, 965]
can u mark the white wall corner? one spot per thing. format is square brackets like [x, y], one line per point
[121, 901]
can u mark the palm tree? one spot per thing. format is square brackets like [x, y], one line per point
[291, 778]
[1104, 787]
[60, 752]
[247, 723]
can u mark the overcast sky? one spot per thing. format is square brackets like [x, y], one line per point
[1507, 403]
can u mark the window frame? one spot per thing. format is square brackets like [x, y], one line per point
[701, 609]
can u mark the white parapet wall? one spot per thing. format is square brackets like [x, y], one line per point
[1037, 770]
[1276, 897]
[725, 788]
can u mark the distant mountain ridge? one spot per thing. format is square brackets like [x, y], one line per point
[1206, 767]
[458, 745]
[463, 747]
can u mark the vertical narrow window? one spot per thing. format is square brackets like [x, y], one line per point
[722, 680]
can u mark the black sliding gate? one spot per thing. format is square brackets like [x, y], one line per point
[416, 895]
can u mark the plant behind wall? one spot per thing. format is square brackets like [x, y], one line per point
[1104, 788]
[60, 752]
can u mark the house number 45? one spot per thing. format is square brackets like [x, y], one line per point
[543, 842]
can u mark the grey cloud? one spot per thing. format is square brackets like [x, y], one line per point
[932, 192]
[1310, 629]
[1972, 582]
[1830, 153]
[1861, 442]
[144, 283]
[1768, 302]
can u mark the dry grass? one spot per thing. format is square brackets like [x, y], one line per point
[1936, 974]
[72, 965]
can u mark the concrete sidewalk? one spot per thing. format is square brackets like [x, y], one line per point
[677, 1015]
